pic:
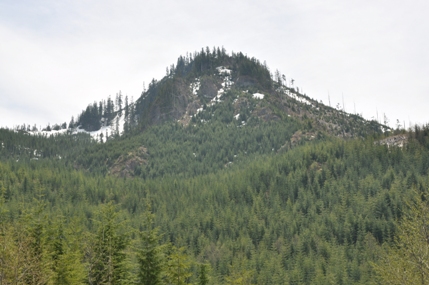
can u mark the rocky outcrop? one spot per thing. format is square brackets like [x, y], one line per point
[397, 140]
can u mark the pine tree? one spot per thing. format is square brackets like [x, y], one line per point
[150, 255]
[120, 103]
[203, 279]
[66, 255]
[107, 262]
[34, 264]
[178, 267]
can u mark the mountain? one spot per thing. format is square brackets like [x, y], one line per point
[208, 79]
[209, 111]
[219, 173]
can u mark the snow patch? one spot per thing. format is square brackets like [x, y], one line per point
[115, 126]
[295, 96]
[227, 81]
[258, 96]
[195, 86]
[385, 129]
[223, 70]
[216, 99]
[237, 116]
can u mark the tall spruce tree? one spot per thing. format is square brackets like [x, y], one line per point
[150, 255]
[66, 255]
[203, 278]
[108, 259]
[178, 267]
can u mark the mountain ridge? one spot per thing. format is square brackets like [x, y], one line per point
[200, 79]
[216, 107]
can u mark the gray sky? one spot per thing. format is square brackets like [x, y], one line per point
[56, 57]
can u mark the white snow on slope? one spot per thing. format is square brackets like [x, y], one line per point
[226, 84]
[301, 99]
[295, 96]
[226, 73]
[116, 125]
[258, 96]
[216, 99]
[195, 86]
[223, 70]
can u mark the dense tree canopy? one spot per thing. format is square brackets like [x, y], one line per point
[241, 190]
[318, 213]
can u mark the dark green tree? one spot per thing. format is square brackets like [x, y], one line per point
[203, 278]
[108, 260]
[150, 255]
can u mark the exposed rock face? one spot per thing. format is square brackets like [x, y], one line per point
[209, 87]
[266, 114]
[299, 136]
[246, 82]
[398, 140]
[126, 165]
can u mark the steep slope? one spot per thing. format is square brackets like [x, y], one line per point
[213, 109]
[208, 77]
[204, 79]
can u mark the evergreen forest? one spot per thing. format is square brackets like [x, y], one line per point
[272, 191]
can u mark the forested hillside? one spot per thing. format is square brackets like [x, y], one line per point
[222, 172]
[318, 213]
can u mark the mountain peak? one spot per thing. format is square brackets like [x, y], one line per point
[209, 83]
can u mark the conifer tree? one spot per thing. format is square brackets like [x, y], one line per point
[108, 259]
[239, 276]
[150, 255]
[178, 267]
[203, 278]
[34, 250]
[66, 255]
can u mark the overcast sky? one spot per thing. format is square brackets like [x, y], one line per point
[56, 57]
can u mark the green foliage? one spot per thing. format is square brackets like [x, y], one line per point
[203, 147]
[406, 261]
[178, 267]
[67, 258]
[317, 213]
[203, 278]
[22, 147]
[107, 262]
[150, 255]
